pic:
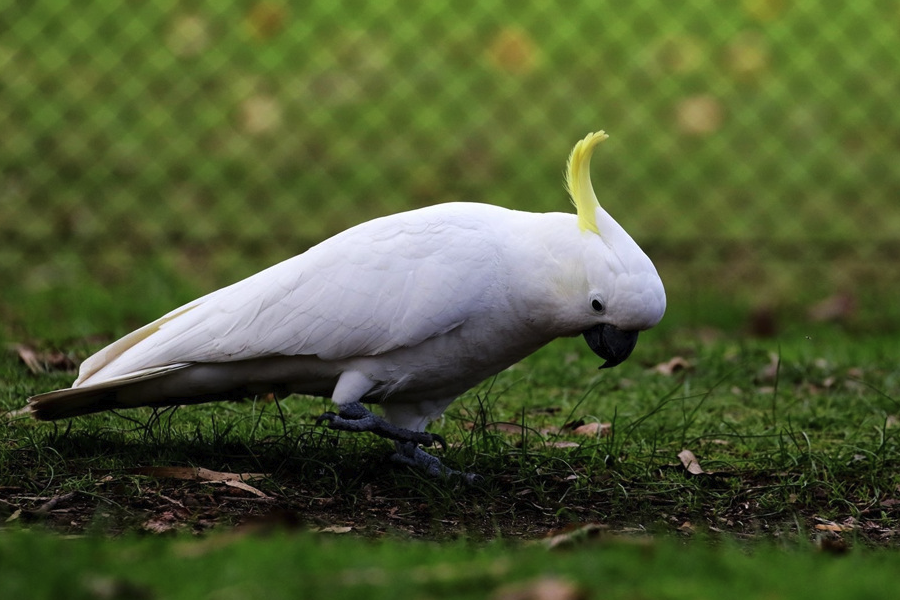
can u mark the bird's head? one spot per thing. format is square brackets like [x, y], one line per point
[618, 293]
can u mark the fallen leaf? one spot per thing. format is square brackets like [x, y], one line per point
[673, 365]
[825, 525]
[235, 480]
[574, 534]
[769, 373]
[699, 115]
[764, 11]
[562, 444]
[690, 462]
[832, 527]
[42, 362]
[542, 588]
[593, 429]
[832, 544]
[167, 521]
[266, 19]
[333, 529]
[208, 475]
[193, 474]
[747, 56]
[187, 36]
[499, 426]
[677, 54]
[114, 587]
[261, 114]
[513, 50]
[763, 322]
[243, 486]
[839, 307]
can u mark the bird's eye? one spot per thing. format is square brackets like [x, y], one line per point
[597, 305]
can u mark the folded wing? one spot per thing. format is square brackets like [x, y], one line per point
[389, 283]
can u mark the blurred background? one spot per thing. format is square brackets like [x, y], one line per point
[152, 151]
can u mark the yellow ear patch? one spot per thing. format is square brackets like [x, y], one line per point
[578, 181]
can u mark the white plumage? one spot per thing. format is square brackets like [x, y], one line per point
[408, 310]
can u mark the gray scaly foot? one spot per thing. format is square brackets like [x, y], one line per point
[356, 417]
[410, 454]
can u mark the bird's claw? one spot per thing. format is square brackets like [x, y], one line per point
[413, 456]
[326, 416]
[356, 417]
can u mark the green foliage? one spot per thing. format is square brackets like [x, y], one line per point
[221, 137]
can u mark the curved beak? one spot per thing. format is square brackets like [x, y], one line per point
[610, 343]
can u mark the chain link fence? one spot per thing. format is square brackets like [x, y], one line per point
[222, 136]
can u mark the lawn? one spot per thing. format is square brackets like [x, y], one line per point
[796, 437]
[153, 152]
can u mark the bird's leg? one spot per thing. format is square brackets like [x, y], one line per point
[353, 416]
[410, 454]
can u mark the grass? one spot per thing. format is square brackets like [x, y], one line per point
[291, 565]
[794, 433]
[797, 434]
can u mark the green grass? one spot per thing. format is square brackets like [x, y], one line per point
[798, 434]
[794, 432]
[285, 565]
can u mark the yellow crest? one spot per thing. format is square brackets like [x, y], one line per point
[578, 181]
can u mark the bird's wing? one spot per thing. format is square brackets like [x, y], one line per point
[389, 283]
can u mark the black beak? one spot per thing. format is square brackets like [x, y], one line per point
[611, 343]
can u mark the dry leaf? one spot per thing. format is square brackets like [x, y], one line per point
[699, 115]
[573, 535]
[833, 527]
[514, 51]
[266, 19]
[243, 486]
[763, 322]
[187, 36]
[673, 365]
[562, 444]
[839, 307]
[207, 475]
[543, 588]
[593, 429]
[167, 521]
[261, 114]
[748, 56]
[690, 462]
[500, 427]
[764, 11]
[235, 480]
[333, 529]
[769, 373]
[43, 362]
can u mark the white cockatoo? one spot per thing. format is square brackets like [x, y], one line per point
[406, 311]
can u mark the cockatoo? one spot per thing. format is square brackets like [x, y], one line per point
[406, 311]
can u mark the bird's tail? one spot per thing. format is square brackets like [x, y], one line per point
[71, 402]
[129, 392]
